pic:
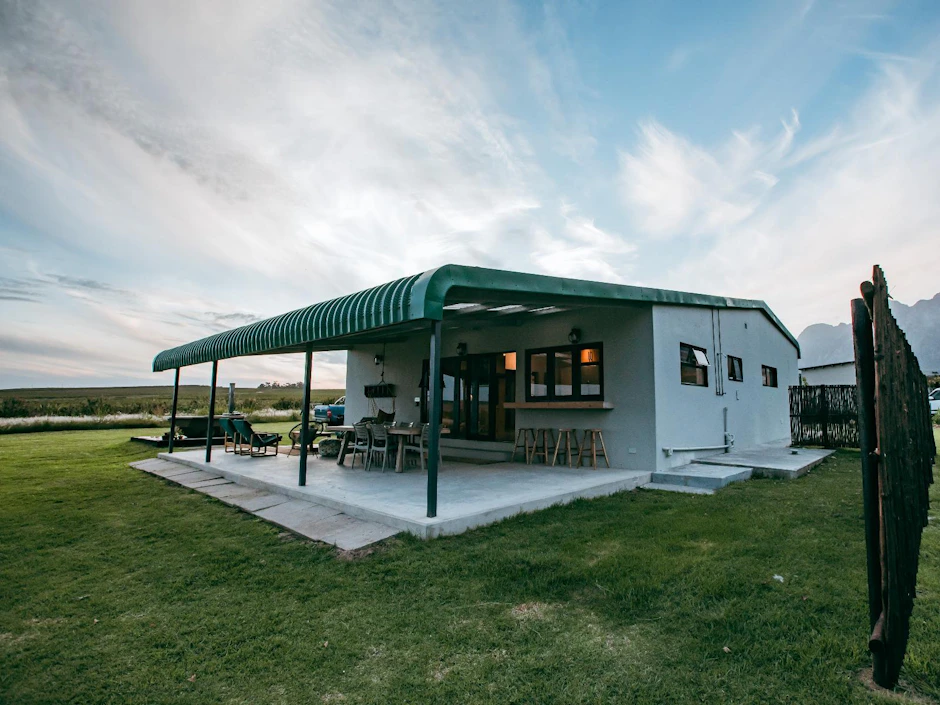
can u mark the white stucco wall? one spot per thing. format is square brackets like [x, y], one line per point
[830, 374]
[690, 416]
[652, 409]
[626, 333]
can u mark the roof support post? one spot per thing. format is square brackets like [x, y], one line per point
[211, 424]
[176, 396]
[434, 417]
[305, 417]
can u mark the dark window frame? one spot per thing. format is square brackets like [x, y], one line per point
[731, 369]
[764, 370]
[549, 353]
[683, 364]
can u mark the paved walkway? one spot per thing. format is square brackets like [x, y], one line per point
[309, 519]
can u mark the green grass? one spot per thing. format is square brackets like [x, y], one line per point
[118, 587]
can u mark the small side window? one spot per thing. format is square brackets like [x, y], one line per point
[769, 375]
[735, 369]
[693, 365]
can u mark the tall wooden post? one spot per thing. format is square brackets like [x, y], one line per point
[868, 442]
[176, 396]
[305, 418]
[211, 424]
[434, 417]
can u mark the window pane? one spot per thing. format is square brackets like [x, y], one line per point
[590, 380]
[700, 358]
[694, 375]
[590, 356]
[538, 370]
[563, 374]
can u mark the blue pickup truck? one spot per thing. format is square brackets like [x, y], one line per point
[330, 414]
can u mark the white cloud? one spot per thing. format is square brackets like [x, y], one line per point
[673, 187]
[866, 192]
[280, 154]
[583, 250]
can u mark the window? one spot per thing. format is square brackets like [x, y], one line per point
[693, 365]
[770, 375]
[735, 369]
[567, 373]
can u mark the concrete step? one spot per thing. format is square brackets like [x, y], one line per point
[684, 489]
[786, 463]
[309, 519]
[711, 477]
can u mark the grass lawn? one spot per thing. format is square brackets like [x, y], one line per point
[118, 587]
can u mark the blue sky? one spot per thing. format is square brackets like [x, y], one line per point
[170, 170]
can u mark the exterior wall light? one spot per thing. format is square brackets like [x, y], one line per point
[379, 359]
[574, 337]
[461, 349]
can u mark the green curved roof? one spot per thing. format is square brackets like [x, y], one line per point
[423, 297]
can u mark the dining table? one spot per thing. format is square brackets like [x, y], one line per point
[347, 433]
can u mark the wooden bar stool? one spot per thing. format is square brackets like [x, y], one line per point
[543, 437]
[591, 446]
[566, 437]
[522, 441]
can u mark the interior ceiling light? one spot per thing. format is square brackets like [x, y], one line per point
[457, 307]
[545, 309]
[507, 307]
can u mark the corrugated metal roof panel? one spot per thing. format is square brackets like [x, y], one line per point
[422, 297]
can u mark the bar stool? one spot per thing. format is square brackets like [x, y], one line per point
[595, 436]
[566, 437]
[543, 436]
[522, 441]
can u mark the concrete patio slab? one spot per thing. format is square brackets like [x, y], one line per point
[310, 520]
[681, 489]
[710, 477]
[469, 494]
[265, 502]
[191, 480]
[210, 483]
[787, 463]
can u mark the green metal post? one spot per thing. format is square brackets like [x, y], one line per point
[434, 417]
[176, 396]
[305, 417]
[211, 424]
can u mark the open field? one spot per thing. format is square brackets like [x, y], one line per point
[102, 401]
[117, 587]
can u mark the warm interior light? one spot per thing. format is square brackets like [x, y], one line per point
[510, 360]
[589, 355]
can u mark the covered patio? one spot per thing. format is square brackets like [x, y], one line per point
[492, 321]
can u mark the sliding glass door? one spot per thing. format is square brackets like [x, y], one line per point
[475, 389]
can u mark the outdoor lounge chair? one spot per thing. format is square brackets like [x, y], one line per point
[256, 441]
[230, 436]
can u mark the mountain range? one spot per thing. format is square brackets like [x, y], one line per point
[823, 344]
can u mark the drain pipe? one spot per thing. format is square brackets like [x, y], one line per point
[729, 442]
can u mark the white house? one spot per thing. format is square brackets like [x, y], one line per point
[833, 373]
[664, 376]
